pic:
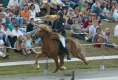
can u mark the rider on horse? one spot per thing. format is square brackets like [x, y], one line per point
[58, 26]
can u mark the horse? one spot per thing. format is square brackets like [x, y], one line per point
[50, 48]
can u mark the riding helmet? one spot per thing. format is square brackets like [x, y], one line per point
[60, 13]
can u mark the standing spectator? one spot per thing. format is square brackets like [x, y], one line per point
[25, 13]
[13, 4]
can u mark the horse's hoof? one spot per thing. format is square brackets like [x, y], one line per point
[54, 71]
[63, 68]
[87, 62]
[37, 67]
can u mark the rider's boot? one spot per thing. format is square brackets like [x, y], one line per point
[67, 53]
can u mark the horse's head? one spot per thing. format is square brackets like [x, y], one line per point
[42, 30]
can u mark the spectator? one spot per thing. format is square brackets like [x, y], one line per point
[13, 4]
[25, 14]
[81, 4]
[96, 8]
[69, 3]
[2, 16]
[29, 44]
[20, 45]
[22, 3]
[115, 12]
[32, 11]
[16, 31]
[116, 31]
[108, 42]
[47, 5]
[106, 13]
[37, 8]
[76, 30]
[99, 37]
[2, 50]
[9, 35]
[47, 21]
[11, 25]
[87, 24]
[92, 31]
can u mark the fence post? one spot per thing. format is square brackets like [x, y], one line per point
[46, 66]
[102, 63]
[73, 75]
[4, 50]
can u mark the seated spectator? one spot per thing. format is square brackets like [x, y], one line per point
[20, 45]
[81, 4]
[115, 12]
[29, 44]
[106, 13]
[92, 31]
[2, 16]
[13, 4]
[108, 42]
[47, 21]
[84, 13]
[22, 3]
[11, 25]
[96, 8]
[2, 50]
[9, 36]
[87, 24]
[76, 30]
[47, 5]
[32, 11]
[37, 8]
[69, 3]
[116, 31]
[25, 14]
[70, 16]
[16, 31]
[98, 38]
[77, 15]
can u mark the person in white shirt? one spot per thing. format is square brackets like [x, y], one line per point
[16, 31]
[13, 4]
[32, 11]
[92, 31]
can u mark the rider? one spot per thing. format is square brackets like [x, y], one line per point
[58, 26]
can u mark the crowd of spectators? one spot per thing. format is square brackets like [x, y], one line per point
[81, 17]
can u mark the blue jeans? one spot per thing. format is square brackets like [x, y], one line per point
[78, 36]
[19, 21]
[70, 4]
[2, 37]
[97, 11]
[104, 17]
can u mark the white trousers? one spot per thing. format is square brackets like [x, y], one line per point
[62, 39]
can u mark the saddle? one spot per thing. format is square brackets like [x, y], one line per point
[60, 46]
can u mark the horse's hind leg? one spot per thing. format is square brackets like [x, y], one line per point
[62, 61]
[57, 65]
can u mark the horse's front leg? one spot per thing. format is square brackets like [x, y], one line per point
[62, 61]
[37, 57]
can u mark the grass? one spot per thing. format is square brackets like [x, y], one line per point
[78, 66]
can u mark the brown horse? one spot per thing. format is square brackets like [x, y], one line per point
[51, 49]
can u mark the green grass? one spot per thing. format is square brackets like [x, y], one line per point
[78, 66]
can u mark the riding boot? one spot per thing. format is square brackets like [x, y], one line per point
[67, 53]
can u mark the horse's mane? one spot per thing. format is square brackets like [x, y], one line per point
[49, 32]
